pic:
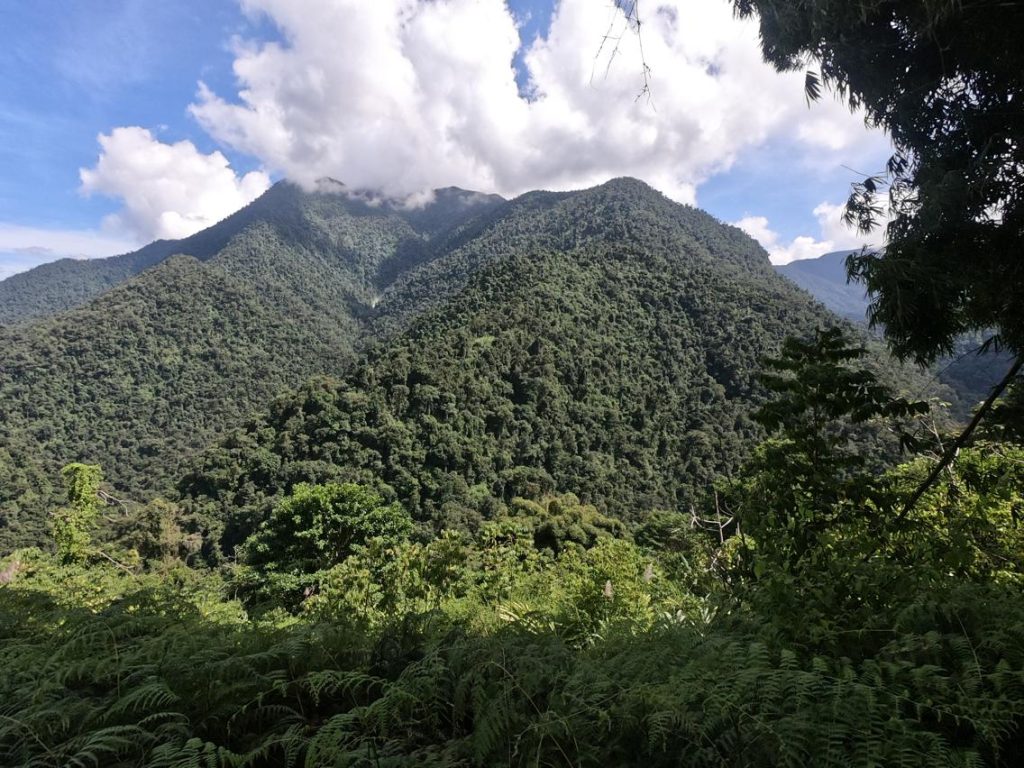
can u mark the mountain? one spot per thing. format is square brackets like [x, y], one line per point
[825, 279]
[604, 343]
[159, 365]
[68, 283]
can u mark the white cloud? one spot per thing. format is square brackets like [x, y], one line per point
[22, 248]
[404, 95]
[168, 190]
[834, 235]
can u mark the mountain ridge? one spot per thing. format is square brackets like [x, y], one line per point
[824, 278]
[967, 372]
[617, 284]
[67, 283]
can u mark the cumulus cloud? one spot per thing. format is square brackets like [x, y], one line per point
[404, 95]
[167, 190]
[834, 235]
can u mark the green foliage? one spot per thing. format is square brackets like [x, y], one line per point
[318, 526]
[73, 524]
[969, 371]
[1006, 420]
[695, 553]
[809, 481]
[317, 222]
[968, 527]
[816, 389]
[941, 78]
[553, 391]
[386, 583]
[156, 532]
[152, 370]
[161, 668]
[313, 529]
[562, 521]
[405, 657]
[828, 545]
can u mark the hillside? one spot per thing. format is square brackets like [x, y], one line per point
[153, 370]
[825, 279]
[604, 343]
[158, 366]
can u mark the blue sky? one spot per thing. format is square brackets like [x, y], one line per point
[75, 70]
[343, 89]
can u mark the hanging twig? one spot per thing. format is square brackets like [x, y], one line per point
[629, 13]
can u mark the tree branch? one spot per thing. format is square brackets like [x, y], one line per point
[956, 445]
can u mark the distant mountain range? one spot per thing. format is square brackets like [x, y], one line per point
[825, 279]
[305, 220]
[604, 342]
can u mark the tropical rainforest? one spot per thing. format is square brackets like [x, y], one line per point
[572, 479]
[604, 343]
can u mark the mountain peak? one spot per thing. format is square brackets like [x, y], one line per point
[329, 184]
[628, 183]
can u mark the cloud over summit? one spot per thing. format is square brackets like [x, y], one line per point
[405, 95]
[402, 96]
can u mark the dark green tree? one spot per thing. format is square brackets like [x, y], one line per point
[946, 81]
[318, 526]
[811, 478]
[561, 522]
[156, 532]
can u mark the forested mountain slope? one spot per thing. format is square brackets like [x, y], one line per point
[604, 343]
[67, 283]
[309, 219]
[144, 375]
[624, 211]
[158, 366]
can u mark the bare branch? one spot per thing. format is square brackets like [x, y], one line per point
[625, 18]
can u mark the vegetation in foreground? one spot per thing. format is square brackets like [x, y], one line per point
[805, 616]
